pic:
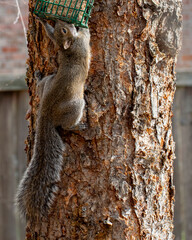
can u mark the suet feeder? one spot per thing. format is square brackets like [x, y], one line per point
[73, 11]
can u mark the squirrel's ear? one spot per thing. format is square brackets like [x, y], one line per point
[67, 44]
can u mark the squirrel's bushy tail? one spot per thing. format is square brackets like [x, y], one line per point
[39, 184]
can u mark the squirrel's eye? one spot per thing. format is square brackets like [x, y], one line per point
[64, 30]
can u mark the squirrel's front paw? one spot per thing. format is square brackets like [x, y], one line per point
[82, 126]
[41, 20]
[38, 76]
[79, 127]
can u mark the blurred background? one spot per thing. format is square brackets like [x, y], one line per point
[13, 126]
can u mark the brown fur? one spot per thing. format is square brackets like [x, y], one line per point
[61, 104]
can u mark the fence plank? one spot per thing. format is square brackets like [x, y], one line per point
[182, 126]
[13, 129]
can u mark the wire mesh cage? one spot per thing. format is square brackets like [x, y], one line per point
[72, 11]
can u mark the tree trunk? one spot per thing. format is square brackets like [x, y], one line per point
[117, 178]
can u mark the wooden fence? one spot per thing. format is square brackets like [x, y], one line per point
[13, 132]
[182, 130]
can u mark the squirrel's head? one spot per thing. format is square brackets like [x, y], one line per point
[64, 34]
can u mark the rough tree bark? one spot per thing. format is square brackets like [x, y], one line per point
[117, 178]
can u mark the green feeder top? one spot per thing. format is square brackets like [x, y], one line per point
[72, 11]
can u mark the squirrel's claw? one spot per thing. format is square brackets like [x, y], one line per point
[41, 20]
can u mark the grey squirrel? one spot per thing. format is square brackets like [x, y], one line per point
[61, 104]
